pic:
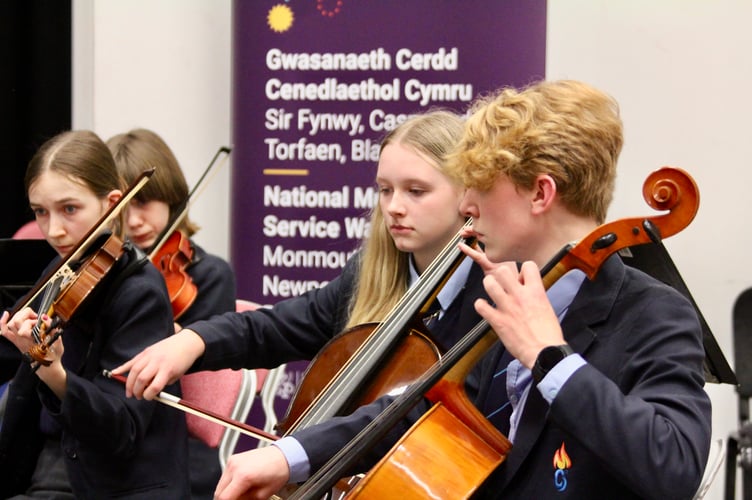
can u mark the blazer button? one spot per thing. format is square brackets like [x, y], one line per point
[71, 453]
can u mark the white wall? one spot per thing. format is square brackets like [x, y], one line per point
[679, 68]
[162, 65]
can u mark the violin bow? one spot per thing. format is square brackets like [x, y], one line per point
[203, 181]
[668, 188]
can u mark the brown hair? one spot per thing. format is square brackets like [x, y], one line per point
[81, 156]
[141, 149]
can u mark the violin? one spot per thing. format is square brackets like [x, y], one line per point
[173, 252]
[87, 276]
[409, 469]
[172, 259]
[70, 283]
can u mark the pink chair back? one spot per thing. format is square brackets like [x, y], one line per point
[29, 231]
[224, 392]
[215, 391]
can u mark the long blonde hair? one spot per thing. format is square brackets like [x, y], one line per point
[383, 276]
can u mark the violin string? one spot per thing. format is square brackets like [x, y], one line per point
[51, 291]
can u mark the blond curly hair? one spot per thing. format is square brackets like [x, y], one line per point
[566, 129]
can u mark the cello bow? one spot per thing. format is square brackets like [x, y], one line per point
[668, 188]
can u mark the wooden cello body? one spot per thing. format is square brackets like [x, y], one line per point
[364, 363]
[453, 427]
[409, 358]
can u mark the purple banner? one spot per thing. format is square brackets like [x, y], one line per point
[316, 86]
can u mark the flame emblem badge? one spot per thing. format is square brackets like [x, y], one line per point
[562, 463]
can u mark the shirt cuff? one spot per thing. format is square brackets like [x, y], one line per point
[555, 379]
[297, 458]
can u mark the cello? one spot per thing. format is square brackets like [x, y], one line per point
[367, 361]
[407, 470]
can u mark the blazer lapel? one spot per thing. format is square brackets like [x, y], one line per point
[592, 305]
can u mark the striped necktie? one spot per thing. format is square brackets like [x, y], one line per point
[498, 408]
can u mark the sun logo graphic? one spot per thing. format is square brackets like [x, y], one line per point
[280, 18]
[562, 462]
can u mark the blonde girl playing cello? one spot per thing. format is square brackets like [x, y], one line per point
[417, 216]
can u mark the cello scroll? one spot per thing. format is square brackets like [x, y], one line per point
[668, 188]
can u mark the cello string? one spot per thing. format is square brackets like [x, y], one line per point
[336, 393]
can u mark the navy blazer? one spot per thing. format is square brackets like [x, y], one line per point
[294, 329]
[635, 422]
[113, 446]
[215, 282]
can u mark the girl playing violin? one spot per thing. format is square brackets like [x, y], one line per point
[68, 431]
[150, 212]
[418, 214]
[156, 205]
